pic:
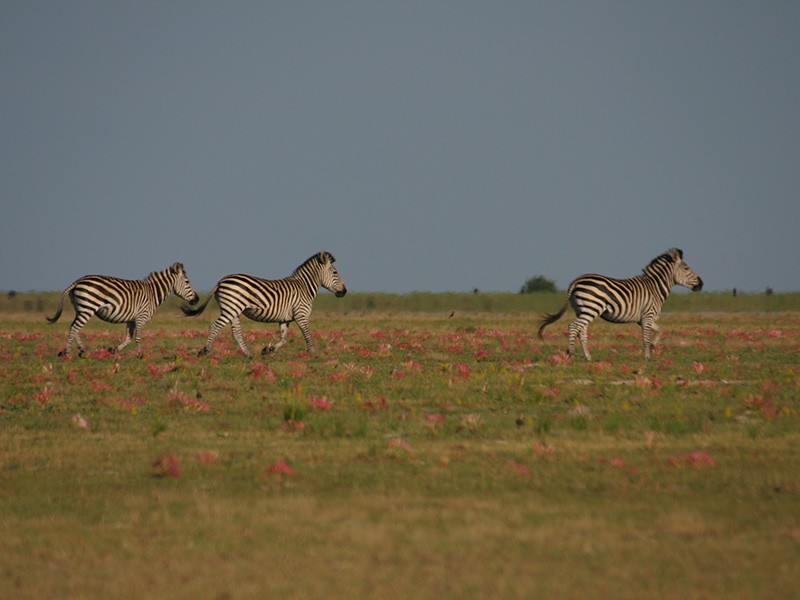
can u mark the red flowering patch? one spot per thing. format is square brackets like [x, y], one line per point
[401, 444]
[280, 469]
[559, 358]
[379, 403]
[158, 370]
[130, 404]
[552, 392]
[291, 425]
[619, 463]
[696, 459]
[600, 365]
[434, 420]
[413, 365]
[519, 468]
[181, 400]
[462, 370]
[80, 421]
[207, 457]
[42, 396]
[101, 387]
[319, 403]
[543, 449]
[167, 465]
[763, 406]
[261, 372]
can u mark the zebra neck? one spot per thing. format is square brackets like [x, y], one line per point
[310, 282]
[160, 286]
[661, 289]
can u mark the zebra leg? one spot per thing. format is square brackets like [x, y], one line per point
[236, 327]
[281, 342]
[302, 323]
[136, 332]
[130, 328]
[579, 329]
[651, 334]
[584, 337]
[215, 328]
[657, 338]
[74, 334]
[573, 333]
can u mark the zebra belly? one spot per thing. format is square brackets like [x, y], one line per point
[107, 314]
[616, 317]
[612, 318]
[265, 316]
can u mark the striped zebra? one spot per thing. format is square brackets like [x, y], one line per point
[122, 301]
[271, 301]
[635, 300]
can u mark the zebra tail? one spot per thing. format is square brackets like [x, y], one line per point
[547, 319]
[193, 312]
[56, 316]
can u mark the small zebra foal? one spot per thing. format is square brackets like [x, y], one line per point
[130, 301]
[271, 300]
[635, 300]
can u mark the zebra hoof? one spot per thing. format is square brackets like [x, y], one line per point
[202, 352]
[62, 354]
[112, 350]
[267, 350]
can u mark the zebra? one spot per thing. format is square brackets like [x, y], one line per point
[115, 300]
[271, 301]
[635, 300]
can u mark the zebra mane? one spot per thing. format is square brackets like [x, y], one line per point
[321, 258]
[173, 269]
[670, 256]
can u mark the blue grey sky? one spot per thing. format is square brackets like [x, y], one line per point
[431, 146]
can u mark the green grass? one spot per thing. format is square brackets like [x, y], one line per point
[429, 455]
[429, 302]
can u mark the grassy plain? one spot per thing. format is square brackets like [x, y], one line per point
[416, 455]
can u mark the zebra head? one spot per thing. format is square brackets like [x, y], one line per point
[682, 273]
[329, 276]
[181, 286]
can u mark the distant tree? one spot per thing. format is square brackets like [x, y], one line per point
[538, 283]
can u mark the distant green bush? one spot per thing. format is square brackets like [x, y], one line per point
[538, 283]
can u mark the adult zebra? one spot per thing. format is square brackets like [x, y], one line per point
[122, 301]
[271, 301]
[635, 300]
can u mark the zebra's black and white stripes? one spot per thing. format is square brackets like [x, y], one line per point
[635, 300]
[122, 301]
[272, 301]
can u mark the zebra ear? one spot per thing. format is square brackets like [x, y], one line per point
[676, 254]
[325, 257]
[176, 268]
